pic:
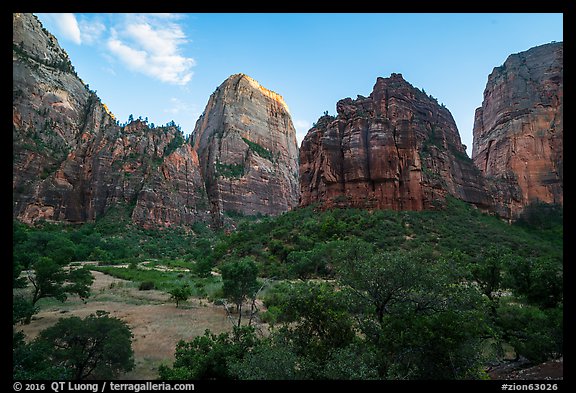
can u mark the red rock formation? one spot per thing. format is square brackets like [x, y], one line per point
[246, 144]
[174, 192]
[519, 128]
[396, 149]
[72, 162]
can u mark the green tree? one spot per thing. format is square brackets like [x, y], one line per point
[49, 279]
[210, 356]
[17, 280]
[61, 250]
[418, 312]
[315, 262]
[488, 272]
[180, 294]
[22, 309]
[268, 360]
[203, 267]
[538, 279]
[385, 281]
[239, 282]
[357, 361]
[97, 346]
[29, 361]
[534, 333]
[318, 319]
[204, 262]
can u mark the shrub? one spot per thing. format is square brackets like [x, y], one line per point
[146, 285]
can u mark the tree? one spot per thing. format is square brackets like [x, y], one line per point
[29, 361]
[22, 309]
[268, 360]
[318, 319]
[424, 319]
[357, 361]
[180, 294]
[49, 279]
[384, 281]
[488, 272]
[534, 333]
[239, 282]
[61, 250]
[540, 215]
[210, 356]
[538, 279]
[97, 346]
[17, 280]
[203, 267]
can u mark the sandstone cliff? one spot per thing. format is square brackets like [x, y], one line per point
[518, 129]
[72, 161]
[395, 149]
[247, 147]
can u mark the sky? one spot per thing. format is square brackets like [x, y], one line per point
[164, 67]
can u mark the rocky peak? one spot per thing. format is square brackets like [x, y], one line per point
[395, 149]
[257, 86]
[518, 130]
[247, 147]
[31, 40]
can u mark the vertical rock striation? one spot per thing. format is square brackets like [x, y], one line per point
[247, 147]
[518, 129]
[396, 149]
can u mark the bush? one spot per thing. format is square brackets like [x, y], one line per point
[210, 356]
[271, 315]
[146, 285]
[203, 267]
[534, 333]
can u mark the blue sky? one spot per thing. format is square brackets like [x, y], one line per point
[165, 66]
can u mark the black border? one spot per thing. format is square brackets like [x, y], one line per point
[368, 6]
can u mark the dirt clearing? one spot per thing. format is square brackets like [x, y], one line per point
[156, 323]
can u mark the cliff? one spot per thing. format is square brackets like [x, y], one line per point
[73, 161]
[518, 130]
[246, 144]
[395, 149]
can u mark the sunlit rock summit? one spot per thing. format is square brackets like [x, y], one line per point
[247, 147]
[73, 161]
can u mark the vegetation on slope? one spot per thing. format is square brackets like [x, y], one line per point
[354, 294]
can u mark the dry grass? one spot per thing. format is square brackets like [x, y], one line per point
[156, 323]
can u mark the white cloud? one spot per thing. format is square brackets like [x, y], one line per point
[152, 45]
[67, 25]
[159, 41]
[302, 127]
[134, 59]
[179, 106]
[109, 70]
[91, 31]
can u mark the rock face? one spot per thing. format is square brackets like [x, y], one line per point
[73, 161]
[518, 129]
[247, 147]
[396, 149]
